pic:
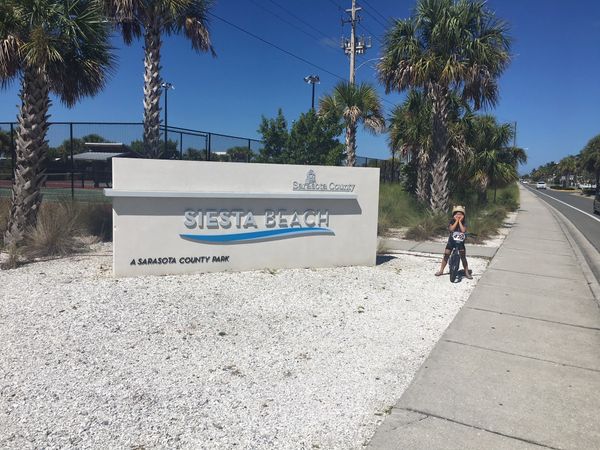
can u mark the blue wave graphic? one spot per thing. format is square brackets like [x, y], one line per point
[254, 236]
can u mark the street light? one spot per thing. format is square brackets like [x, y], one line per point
[368, 61]
[166, 86]
[312, 79]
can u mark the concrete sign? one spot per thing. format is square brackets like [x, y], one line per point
[174, 217]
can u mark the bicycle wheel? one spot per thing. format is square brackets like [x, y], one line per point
[454, 264]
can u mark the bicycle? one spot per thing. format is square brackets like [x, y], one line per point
[456, 238]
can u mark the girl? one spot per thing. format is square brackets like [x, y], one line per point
[457, 223]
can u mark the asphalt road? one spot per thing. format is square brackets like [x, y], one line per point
[578, 209]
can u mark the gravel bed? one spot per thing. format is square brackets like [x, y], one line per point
[296, 359]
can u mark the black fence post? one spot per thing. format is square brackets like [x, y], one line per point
[208, 150]
[180, 145]
[72, 162]
[13, 151]
[249, 150]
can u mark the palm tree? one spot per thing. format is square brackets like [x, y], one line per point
[57, 46]
[547, 172]
[152, 19]
[493, 163]
[567, 167]
[354, 104]
[446, 46]
[410, 135]
[590, 158]
[515, 156]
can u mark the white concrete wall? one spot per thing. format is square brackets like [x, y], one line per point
[151, 196]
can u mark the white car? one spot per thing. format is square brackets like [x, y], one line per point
[540, 185]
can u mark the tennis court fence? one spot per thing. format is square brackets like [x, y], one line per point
[78, 163]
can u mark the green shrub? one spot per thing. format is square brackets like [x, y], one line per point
[588, 191]
[560, 187]
[397, 208]
[430, 225]
[486, 223]
[55, 233]
[507, 197]
[508, 201]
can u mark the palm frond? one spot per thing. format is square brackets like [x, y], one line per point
[458, 44]
[193, 23]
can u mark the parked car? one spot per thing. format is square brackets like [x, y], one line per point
[597, 203]
[540, 185]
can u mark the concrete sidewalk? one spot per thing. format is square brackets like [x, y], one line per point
[519, 367]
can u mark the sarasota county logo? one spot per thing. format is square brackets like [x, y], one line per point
[311, 184]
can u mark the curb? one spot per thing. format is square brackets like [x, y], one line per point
[432, 248]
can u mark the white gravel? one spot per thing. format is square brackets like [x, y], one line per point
[293, 359]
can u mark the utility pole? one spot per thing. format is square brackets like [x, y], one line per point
[312, 79]
[354, 45]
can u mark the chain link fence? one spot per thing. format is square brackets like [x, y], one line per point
[78, 163]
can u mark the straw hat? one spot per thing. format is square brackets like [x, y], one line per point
[458, 208]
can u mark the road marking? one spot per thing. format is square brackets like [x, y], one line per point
[570, 206]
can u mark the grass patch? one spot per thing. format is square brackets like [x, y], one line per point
[431, 225]
[397, 208]
[560, 187]
[96, 219]
[55, 233]
[63, 227]
[486, 222]
[508, 197]
[483, 221]
[4, 210]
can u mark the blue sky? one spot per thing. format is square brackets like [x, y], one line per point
[551, 89]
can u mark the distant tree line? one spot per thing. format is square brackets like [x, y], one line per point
[582, 168]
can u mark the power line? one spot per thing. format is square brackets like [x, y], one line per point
[336, 4]
[287, 52]
[370, 32]
[312, 36]
[299, 18]
[375, 19]
[386, 19]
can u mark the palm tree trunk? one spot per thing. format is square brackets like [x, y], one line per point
[152, 89]
[439, 182]
[422, 190]
[351, 145]
[31, 150]
[495, 181]
[482, 197]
